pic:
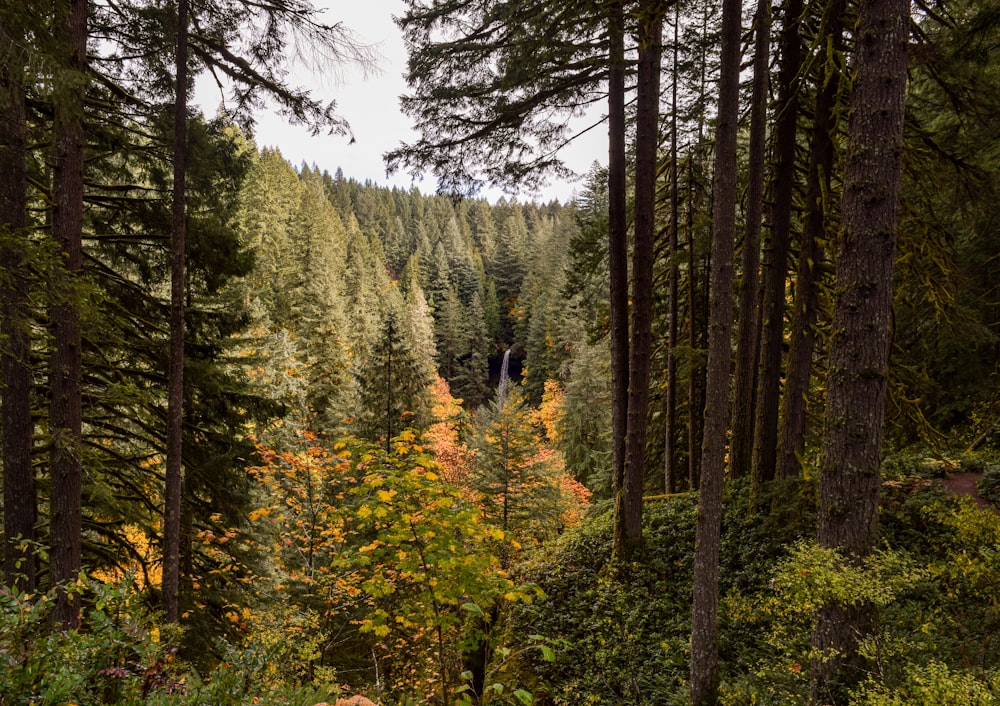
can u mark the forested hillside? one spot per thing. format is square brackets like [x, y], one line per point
[721, 430]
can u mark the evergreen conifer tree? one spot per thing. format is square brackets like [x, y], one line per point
[516, 485]
[393, 386]
[16, 426]
[471, 382]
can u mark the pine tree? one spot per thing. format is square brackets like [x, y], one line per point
[704, 612]
[618, 299]
[485, 82]
[641, 333]
[775, 255]
[320, 321]
[175, 378]
[820, 202]
[671, 460]
[366, 285]
[472, 380]
[271, 197]
[451, 337]
[65, 414]
[859, 349]
[515, 484]
[16, 427]
[748, 334]
[393, 389]
[484, 232]
[420, 327]
[585, 426]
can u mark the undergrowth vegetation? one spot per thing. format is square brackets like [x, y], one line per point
[624, 631]
[588, 631]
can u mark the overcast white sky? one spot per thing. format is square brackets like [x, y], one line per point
[371, 106]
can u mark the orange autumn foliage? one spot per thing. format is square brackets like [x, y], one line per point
[452, 455]
[456, 460]
[550, 411]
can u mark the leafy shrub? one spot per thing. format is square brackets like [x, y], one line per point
[117, 657]
[384, 553]
[989, 485]
[106, 661]
[623, 631]
[932, 684]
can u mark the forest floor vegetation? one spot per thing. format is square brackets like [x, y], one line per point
[596, 633]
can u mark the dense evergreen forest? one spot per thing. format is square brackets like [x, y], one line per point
[721, 430]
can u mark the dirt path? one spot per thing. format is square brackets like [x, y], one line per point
[965, 484]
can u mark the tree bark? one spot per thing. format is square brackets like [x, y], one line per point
[671, 475]
[748, 333]
[697, 334]
[641, 341]
[695, 376]
[65, 392]
[704, 614]
[19, 495]
[175, 393]
[862, 324]
[618, 264]
[775, 269]
[818, 180]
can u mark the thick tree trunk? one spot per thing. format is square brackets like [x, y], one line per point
[19, 497]
[671, 474]
[704, 650]
[748, 334]
[775, 269]
[67, 229]
[862, 323]
[641, 342]
[175, 395]
[618, 264]
[803, 336]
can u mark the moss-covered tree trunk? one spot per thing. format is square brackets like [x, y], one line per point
[65, 406]
[791, 443]
[617, 261]
[641, 340]
[862, 325]
[775, 256]
[671, 469]
[704, 615]
[748, 334]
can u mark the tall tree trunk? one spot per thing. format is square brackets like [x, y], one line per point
[618, 263]
[67, 228]
[671, 475]
[641, 341]
[803, 336]
[187, 552]
[748, 334]
[704, 651]
[775, 269]
[862, 324]
[175, 395]
[697, 333]
[695, 376]
[19, 498]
